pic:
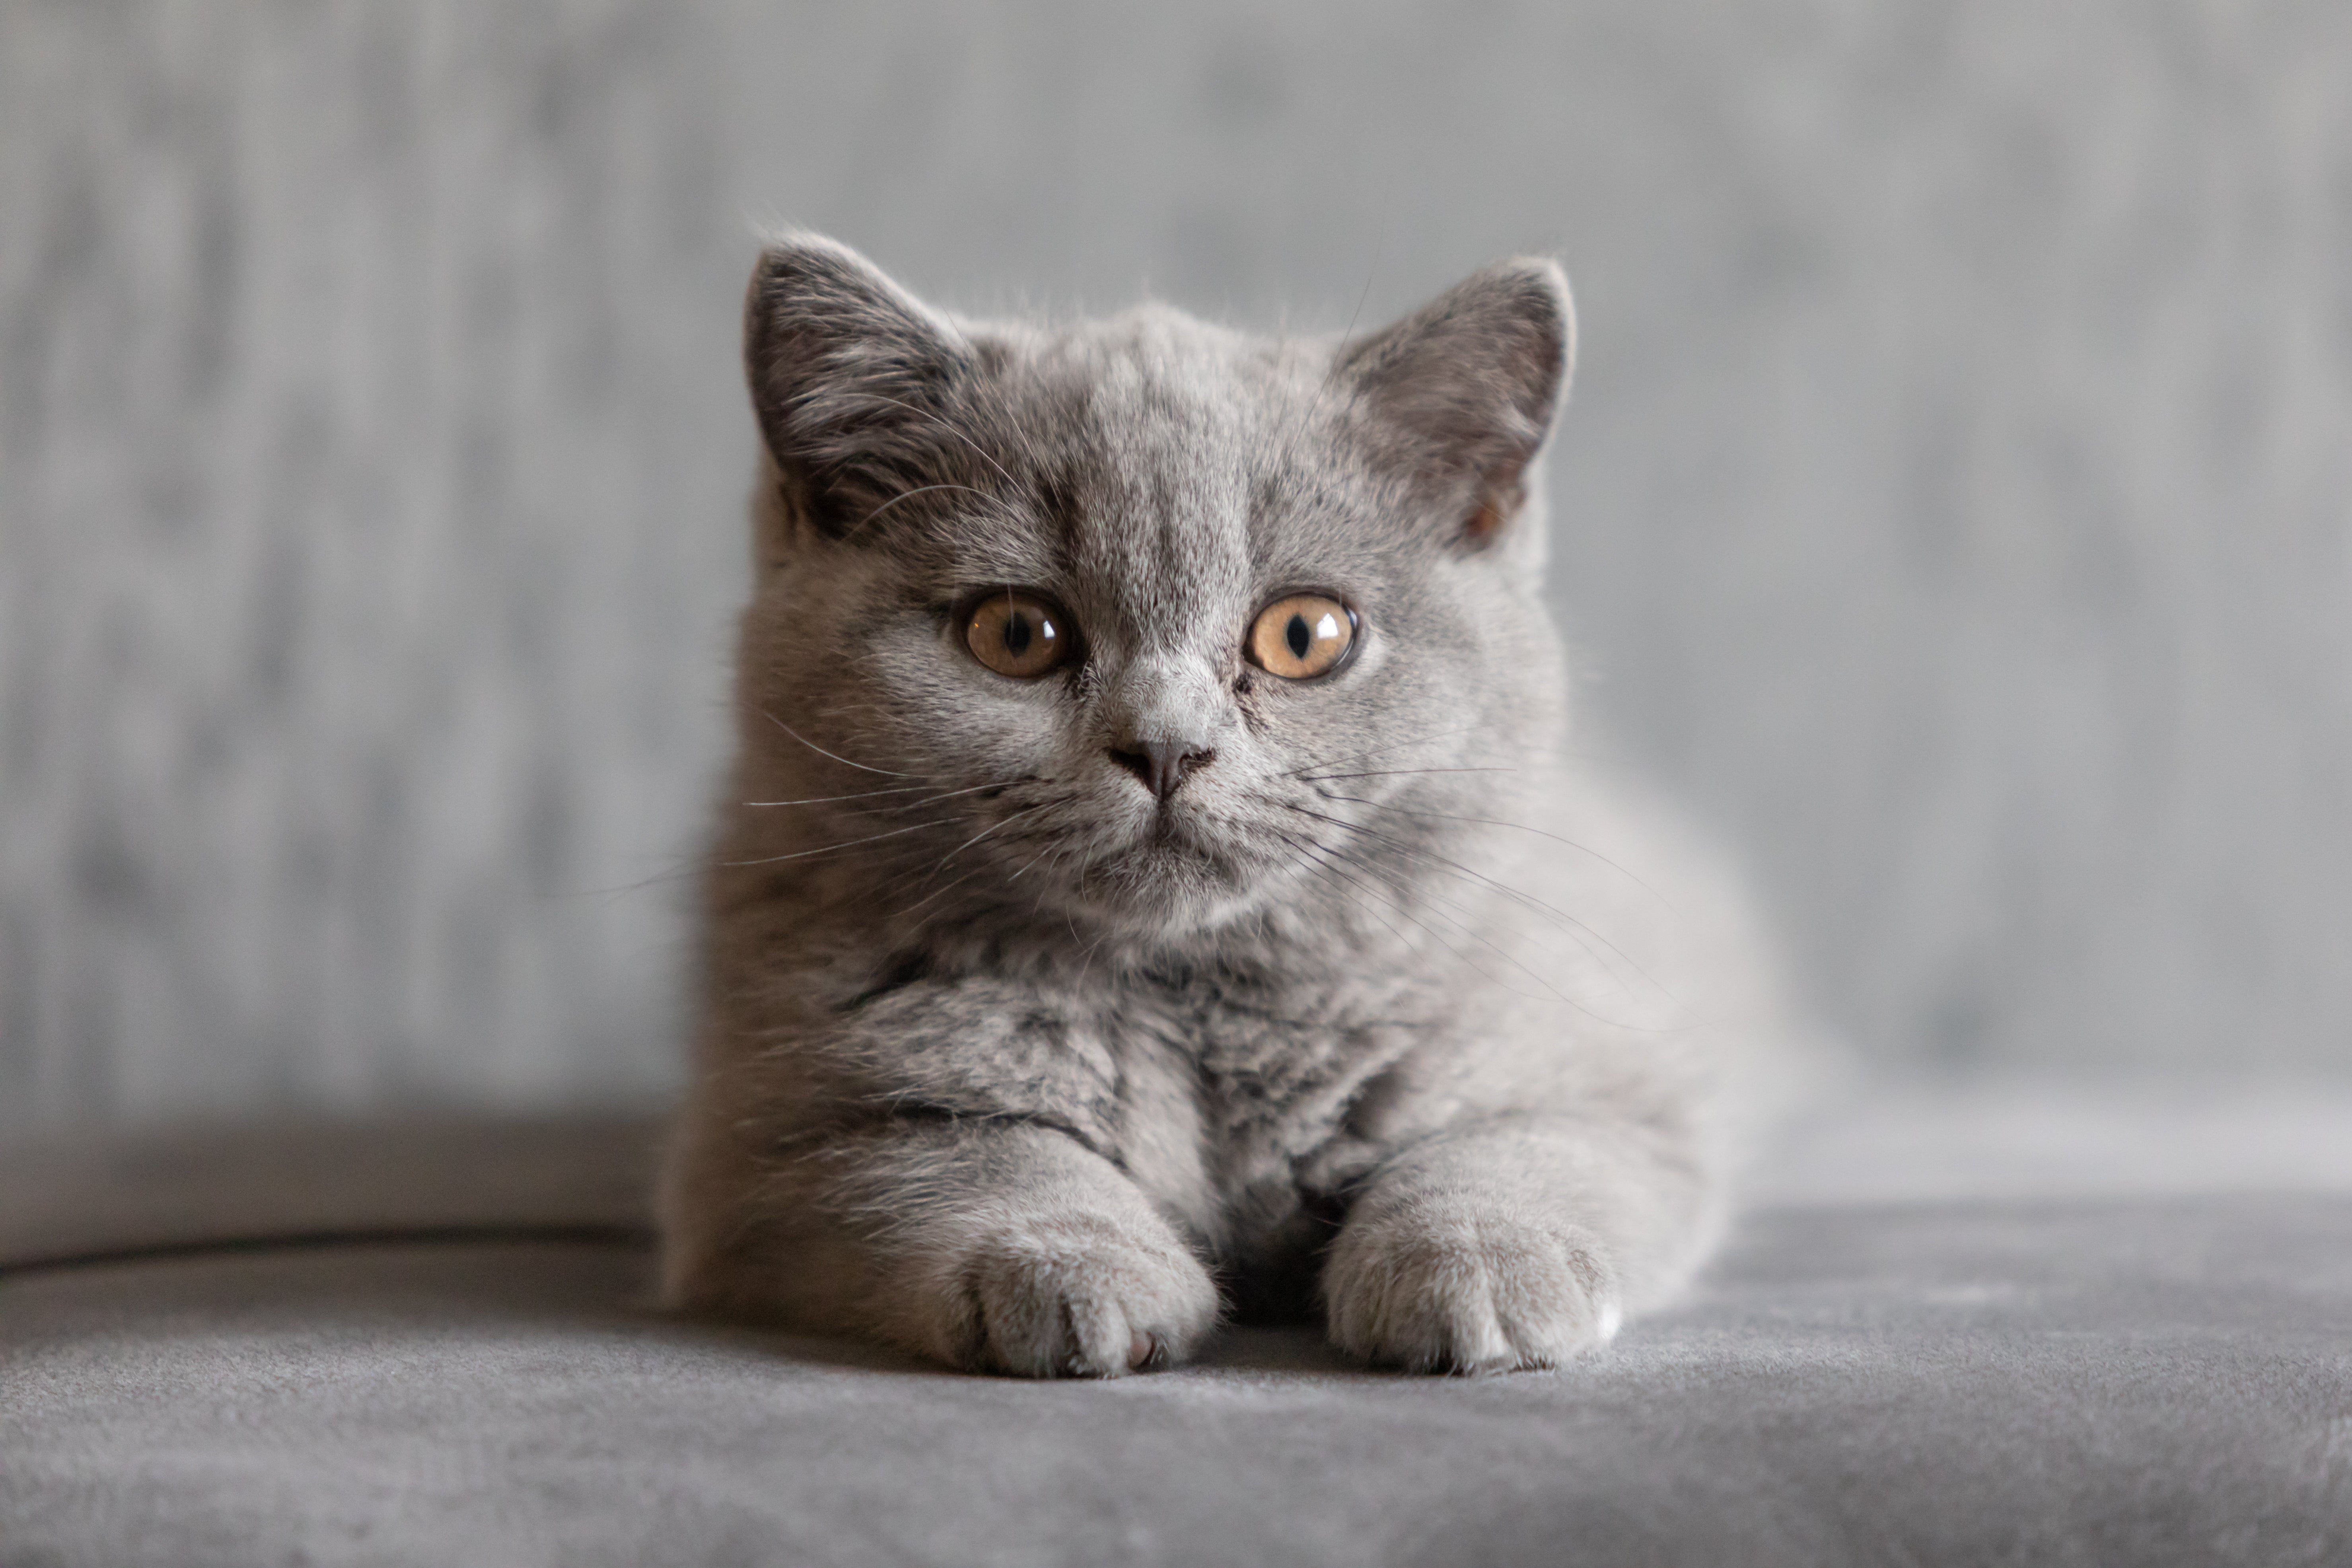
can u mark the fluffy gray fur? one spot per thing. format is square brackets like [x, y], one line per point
[1383, 1013]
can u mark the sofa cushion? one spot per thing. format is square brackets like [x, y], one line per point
[2149, 1376]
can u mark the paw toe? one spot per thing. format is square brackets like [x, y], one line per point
[1470, 1294]
[1074, 1302]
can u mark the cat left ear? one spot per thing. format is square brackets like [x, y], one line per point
[1468, 388]
[844, 367]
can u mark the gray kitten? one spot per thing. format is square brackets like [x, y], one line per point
[1151, 874]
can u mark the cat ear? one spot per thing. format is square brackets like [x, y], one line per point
[1467, 387]
[843, 365]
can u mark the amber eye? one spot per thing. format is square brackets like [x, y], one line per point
[1301, 636]
[1016, 633]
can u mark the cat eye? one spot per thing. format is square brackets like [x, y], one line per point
[1017, 634]
[1301, 636]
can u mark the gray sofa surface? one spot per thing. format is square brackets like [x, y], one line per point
[1954, 1329]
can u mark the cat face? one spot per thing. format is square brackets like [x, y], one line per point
[1140, 621]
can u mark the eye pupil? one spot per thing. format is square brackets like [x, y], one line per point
[1016, 633]
[1296, 635]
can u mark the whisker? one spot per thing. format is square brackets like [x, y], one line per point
[1583, 932]
[997, 501]
[985, 832]
[959, 850]
[1521, 827]
[820, 751]
[1515, 963]
[1371, 882]
[850, 844]
[677, 874]
[1392, 773]
[916, 869]
[927, 898]
[1468, 873]
[1459, 918]
[944, 424]
[1323, 867]
[1031, 861]
[934, 800]
[1333, 855]
[1378, 751]
[830, 799]
[1037, 908]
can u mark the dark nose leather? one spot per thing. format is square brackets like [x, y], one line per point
[1161, 765]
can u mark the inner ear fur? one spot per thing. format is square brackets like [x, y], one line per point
[1466, 390]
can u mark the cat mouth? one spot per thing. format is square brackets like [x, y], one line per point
[1183, 827]
[1193, 848]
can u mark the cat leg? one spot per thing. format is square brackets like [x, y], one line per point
[1010, 1247]
[1514, 1245]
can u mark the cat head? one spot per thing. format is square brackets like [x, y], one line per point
[1140, 621]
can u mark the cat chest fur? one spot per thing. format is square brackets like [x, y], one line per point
[1243, 1108]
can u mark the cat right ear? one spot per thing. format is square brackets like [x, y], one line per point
[1468, 387]
[844, 367]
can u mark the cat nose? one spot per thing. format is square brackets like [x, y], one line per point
[1161, 765]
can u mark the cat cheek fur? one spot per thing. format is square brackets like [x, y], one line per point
[1013, 1031]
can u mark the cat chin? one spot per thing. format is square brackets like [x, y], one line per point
[1169, 888]
[1188, 926]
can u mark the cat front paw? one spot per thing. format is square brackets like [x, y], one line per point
[1079, 1295]
[1460, 1287]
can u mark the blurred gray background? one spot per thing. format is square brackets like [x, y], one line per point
[1956, 508]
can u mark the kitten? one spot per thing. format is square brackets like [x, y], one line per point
[1152, 868]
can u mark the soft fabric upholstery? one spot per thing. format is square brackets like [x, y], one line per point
[460, 1369]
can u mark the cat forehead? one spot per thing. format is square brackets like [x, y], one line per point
[1159, 453]
[1153, 384]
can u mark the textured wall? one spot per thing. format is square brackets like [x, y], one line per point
[1957, 506]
